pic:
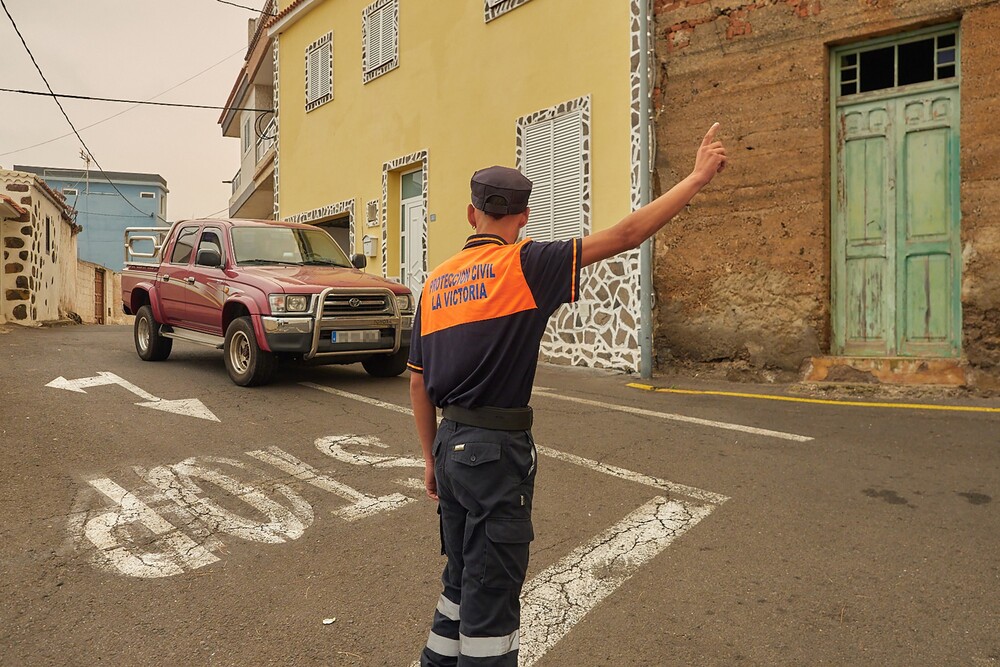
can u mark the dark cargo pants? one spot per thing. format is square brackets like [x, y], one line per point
[485, 482]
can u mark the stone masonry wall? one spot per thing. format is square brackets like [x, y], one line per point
[34, 283]
[744, 273]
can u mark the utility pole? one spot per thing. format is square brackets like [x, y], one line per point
[85, 156]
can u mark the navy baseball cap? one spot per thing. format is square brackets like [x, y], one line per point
[500, 191]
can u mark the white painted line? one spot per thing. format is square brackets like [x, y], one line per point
[614, 471]
[357, 397]
[101, 379]
[562, 594]
[189, 407]
[680, 418]
[558, 597]
[638, 477]
[105, 530]
[179, 483]
[362, 505]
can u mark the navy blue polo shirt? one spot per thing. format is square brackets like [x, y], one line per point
[482, 315]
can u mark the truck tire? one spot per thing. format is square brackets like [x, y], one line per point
[387, 365]
[149, 343]
[248, 365]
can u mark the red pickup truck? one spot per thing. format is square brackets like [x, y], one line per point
[262, 292]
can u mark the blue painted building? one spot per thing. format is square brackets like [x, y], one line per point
[102, 212]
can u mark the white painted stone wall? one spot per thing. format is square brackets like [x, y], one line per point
[38, 276]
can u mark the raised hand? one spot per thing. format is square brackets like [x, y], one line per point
[711, 158]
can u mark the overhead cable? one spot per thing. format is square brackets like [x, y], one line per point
[259, 11]
[66, 116]
[136, 102]
[113, 116]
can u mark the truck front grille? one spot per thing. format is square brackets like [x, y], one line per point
[346, 305]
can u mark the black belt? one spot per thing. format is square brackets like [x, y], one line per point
[497, 419]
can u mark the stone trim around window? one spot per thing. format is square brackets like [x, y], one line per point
[581, 104]
[326, 39]
[391, 64]
[493, 9]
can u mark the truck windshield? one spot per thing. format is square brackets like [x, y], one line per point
[287, 245]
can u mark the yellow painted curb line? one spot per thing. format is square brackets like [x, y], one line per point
[820, 401]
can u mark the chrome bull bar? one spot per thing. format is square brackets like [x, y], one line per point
[392, 319]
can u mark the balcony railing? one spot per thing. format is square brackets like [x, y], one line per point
[266, 140]
[236, 183]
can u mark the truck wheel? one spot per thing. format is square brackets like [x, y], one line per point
[387, 365]
[149, 343]
[248, 365]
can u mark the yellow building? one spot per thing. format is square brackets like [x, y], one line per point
[385, 109]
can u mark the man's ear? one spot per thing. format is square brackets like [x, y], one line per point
[522, 219]
[471, 213]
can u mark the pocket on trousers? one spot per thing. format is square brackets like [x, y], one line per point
[474, 454]
[507, 552]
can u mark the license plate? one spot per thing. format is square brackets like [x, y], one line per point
[363, 336]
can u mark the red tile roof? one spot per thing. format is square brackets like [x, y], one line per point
[20, 210]
[284, 12]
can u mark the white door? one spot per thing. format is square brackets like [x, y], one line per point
[411, 256]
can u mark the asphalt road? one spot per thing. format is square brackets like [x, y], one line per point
[138, 530]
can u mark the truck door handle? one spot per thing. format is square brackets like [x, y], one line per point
[189, 280]
[165, 279]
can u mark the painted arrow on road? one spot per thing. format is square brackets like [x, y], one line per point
[190, 407]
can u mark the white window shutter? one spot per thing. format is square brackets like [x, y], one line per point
[312, 73]
[537, 167]
[567, 177]
[325, 82]
[553, 162]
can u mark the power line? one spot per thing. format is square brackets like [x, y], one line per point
[65, 115]
[259, 11]
[212, 215]
[135, 102]
[104, 120]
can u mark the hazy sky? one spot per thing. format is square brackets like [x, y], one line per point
[131, 49]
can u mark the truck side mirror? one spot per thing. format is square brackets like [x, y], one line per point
[359, 261]
[209, 257]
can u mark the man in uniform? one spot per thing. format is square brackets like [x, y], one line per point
[474, 350]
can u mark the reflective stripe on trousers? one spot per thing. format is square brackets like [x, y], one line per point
[485, 482]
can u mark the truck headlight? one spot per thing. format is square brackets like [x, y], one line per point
[404, 302]
[288, 303]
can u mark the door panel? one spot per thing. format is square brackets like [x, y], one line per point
[865, 212]
[206, 295]
[412, 250]
[865, 318]
[929, 312]
[927, 318]
[172, 275]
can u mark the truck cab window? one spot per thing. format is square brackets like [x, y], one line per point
[210, 240]
[184, 245]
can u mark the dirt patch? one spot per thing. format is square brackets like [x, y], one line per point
[790, 382]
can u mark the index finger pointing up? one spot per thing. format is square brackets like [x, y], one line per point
[710, 135]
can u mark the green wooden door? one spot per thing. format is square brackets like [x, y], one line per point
[864, 229]
[896, 224]
[928, 319]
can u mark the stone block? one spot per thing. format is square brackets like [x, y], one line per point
[17, 187]
[13, 267]
[13, 242]
[20, 312]
[18, 294]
